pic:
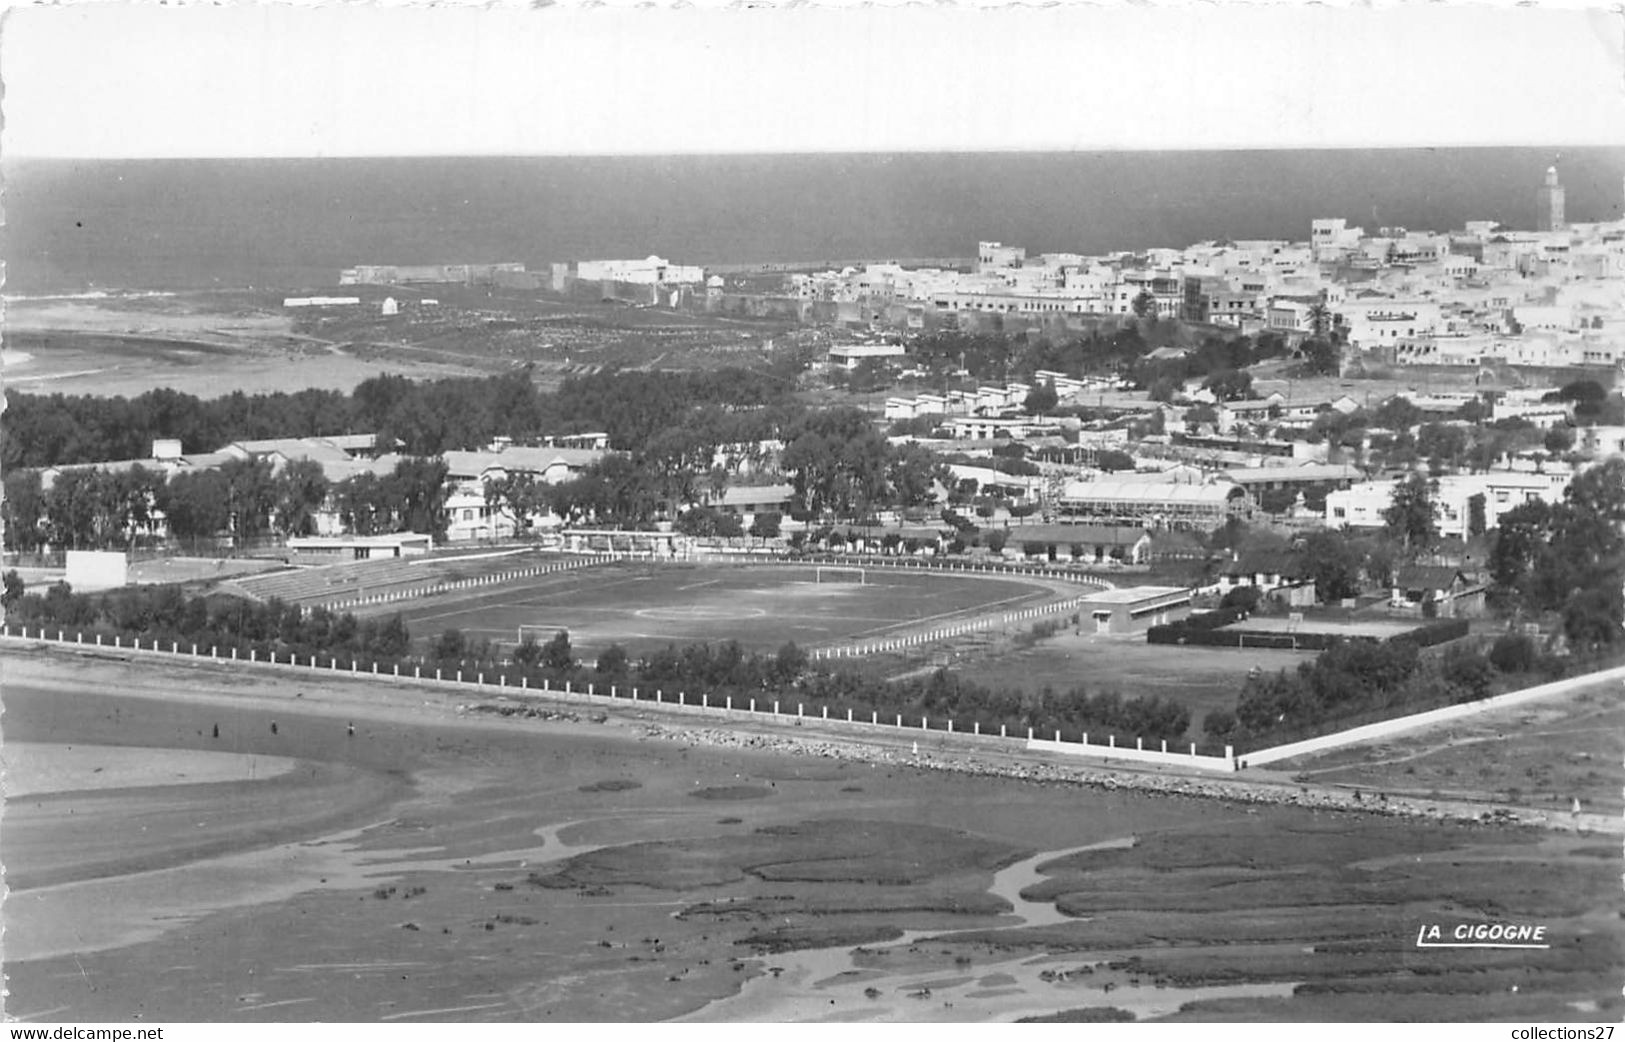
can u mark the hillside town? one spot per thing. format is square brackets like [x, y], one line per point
[1207, 409]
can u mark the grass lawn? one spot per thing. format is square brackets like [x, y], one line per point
[644, 607]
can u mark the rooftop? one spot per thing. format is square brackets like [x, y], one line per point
[1135, 594]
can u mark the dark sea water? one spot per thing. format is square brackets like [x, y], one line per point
[174, 224]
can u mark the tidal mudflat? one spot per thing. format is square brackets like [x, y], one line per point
[442, 863]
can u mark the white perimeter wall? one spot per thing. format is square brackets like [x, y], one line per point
[1108, 752]
[1400, 725]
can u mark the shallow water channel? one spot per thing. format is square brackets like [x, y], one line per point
[827, 984]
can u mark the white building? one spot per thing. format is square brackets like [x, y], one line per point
[1363, 505]
[848, 356]
[469, 475]
[651, 270]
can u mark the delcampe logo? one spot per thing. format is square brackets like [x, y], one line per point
[1482, 935]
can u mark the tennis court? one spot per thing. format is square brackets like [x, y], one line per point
[1380, 628]
[644, 606]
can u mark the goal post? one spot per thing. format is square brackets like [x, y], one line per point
[833, 573]
[540, 632]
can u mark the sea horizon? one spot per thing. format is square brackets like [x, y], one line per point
[76, 225]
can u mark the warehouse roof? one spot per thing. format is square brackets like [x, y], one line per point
[1149, 492]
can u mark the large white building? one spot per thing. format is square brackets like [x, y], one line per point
[651, 270]
[1363, 505]
[1155, 504]
[469, 474]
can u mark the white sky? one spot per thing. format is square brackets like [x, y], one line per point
[126, 80]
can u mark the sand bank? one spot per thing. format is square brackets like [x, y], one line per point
[39, 767]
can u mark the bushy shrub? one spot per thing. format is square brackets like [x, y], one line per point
[1244, 597]
[1219, 723]
[1467, 670]
[1514, 653]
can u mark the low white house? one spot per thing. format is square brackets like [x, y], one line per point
[849, 356]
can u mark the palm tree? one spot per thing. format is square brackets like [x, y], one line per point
[1319, 317]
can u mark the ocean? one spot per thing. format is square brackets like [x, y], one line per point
[75, 226]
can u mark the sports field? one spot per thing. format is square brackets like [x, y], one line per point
[644, 606]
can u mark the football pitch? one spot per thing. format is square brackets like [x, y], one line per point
[643, 606]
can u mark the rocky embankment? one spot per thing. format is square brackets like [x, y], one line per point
[1235, 789]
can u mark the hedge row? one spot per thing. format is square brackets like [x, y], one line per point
[1203, 631]
[1173, 632]
[1436, 632]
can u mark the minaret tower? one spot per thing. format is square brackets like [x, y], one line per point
[1549, 204]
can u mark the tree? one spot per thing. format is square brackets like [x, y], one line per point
[839, 462]
[1197, 415]
[612, 661]
[788, 662]
[300, 490]
[911, 475]
[528, 652]
[14, 589]
[250, 496]
[1514, 653]
[450, 646]
[1581, 391]
[1410, 515]
[1145, 305]
[1397, 414]
[995, 539]
[1443, 442]
[765, 525]
[74, 508]
[1114, 460]
[1519, 535]
[1319, 317]
[1468, 670]
[519, 497]
[1593, 617]
[23, 510]
[1230, 385]
[1219, 724]
[417, 489]
[1559, 440]
[556, 653]
[1163, 389]
[1041, 399]
[1334, 565]
[1476, 523]
[391, 639]
[1320, 356]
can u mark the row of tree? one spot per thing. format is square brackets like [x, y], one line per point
[1568, 557]
[727, 669]
[638, 410]
[243, 499]
[166, 613]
